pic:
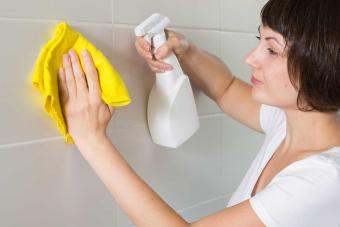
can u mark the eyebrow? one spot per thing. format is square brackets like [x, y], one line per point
[269, 38]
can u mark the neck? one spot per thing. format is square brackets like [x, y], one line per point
[311, 131]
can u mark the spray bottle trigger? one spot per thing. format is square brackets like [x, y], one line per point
[153, 49]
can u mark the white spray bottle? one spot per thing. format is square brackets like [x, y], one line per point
[172, 114]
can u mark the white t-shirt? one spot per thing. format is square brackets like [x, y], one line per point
[304, 194]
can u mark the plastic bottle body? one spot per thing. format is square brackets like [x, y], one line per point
[172, 114]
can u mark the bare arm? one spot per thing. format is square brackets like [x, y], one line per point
[133, 195]
[206, 71]
[141, 203]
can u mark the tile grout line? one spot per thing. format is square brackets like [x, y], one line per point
[29, 19]
[220, 32]
[113, 42]
[48, 139]
[203, 203]
[29, 142]
[221, 152]
[203, 29]
[204, 116]
[118, 24]
[220, 118]
[245, 32]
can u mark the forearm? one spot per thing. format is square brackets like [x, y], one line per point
[133, 195]
[206, 71]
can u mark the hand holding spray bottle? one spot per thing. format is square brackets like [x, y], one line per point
[171, 112]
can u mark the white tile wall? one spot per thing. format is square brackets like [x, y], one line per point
[209, 41]
[50, 184]
[21, 115]
[178, 176]
[45, 182]
[188, 13]
[241, 15]
[240, 146]
[234, 48]
[78, 10]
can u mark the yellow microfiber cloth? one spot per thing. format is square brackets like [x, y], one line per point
[45, 74]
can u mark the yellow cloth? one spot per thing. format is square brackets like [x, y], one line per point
[45, 74]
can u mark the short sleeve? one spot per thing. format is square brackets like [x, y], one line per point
[271, 117]
[306, 194]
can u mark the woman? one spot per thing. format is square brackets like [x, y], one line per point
[295, 179]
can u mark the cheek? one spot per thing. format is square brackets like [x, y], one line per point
[284, 93]
[275, 92]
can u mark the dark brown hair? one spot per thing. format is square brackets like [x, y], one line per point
[311, 29]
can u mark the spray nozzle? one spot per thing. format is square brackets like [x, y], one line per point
[153, 25]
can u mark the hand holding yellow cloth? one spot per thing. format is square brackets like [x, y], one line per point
[45, 74]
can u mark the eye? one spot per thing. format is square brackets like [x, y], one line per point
[271, 51]
[258, 37]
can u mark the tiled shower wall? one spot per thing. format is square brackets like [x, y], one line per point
[46, 183]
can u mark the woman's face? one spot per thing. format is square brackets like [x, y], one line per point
[268, 62]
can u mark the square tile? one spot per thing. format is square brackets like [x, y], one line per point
[241, 15]
[183, 176]
[189, 13]
[49, 184]
[76, 10]
[234, 49]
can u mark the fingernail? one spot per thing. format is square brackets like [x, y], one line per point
[84, 52]
[65, 57]
[60, 71]
[158, 54]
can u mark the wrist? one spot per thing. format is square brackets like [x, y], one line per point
[91, 140]
[187, 53]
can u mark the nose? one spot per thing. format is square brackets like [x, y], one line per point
[250, 59]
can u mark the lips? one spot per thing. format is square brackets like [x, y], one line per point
[255, 81]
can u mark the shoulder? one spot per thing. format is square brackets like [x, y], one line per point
[304, 194]
[318, 173]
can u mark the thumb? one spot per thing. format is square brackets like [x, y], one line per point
[163, 51]
[112, 109]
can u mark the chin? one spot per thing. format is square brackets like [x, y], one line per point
[262, 97]
[258, 95]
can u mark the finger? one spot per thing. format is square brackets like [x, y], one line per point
[70, 81]
[112, 109]
[78, 74]
[91, 73]
[156, 70]
[143, 52]
[160, 65]
[62, 86]
[140, 41]
[163, 51]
